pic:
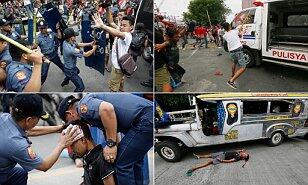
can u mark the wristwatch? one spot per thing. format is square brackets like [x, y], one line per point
[110, 143]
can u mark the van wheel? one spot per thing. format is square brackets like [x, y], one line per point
[276, 139]
[249, 58]
[169, 151]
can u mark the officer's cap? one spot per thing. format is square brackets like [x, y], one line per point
[29, 105]
[65, 104]
[69, 32]
[41, 24]
[4, 22]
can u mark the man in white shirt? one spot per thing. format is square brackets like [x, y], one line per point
[123, 38]
[235, 47]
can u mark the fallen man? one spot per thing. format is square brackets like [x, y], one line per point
[221, 157]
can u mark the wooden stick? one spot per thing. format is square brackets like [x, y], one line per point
[11, 41]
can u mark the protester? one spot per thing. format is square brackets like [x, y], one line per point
[235, 47]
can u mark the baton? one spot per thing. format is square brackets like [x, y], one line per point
[11, 41]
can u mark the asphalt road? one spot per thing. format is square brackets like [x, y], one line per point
[64, 170]
[93, 80]
[286, 164]
[203, 64]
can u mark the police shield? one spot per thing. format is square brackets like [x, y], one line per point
[88, 34]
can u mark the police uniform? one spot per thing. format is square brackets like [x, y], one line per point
[47, 43]
[134, 119]
[19, 74]
[15, 148]
[5, 56]
[96, 169]
[70, 69]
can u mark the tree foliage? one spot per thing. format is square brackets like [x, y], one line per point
[197, 11]
[173, 102]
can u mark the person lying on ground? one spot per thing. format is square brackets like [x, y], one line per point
[221, 157]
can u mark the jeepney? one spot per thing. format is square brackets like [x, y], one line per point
[220, 118]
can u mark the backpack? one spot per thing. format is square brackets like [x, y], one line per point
[137, 40]
[173, 55]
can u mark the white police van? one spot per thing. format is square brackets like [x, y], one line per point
[276, 31]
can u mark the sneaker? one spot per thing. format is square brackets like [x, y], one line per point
[189, 173]
[196, 156]
[232, 85]
[64, 83]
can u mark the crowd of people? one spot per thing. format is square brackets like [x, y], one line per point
[168, 72]
[23, 71]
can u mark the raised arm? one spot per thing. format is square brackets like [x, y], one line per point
[100, 24]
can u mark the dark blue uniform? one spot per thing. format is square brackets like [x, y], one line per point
[5, 55]
[135, 120]
[71, 71]
[48, 46]
[15, 148]
[19, 74]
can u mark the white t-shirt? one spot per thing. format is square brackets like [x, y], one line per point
[27, 2]
[233, 40]
[123, 46]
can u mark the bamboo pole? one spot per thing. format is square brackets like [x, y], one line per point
[11, 41]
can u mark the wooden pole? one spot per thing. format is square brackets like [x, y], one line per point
[208, 17]
[11, 41]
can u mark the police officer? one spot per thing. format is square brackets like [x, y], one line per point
[70, 55]
[15, 146]
[47, 43]
[125, 113]
[4, 52]
[6, 29]
[4, 49]
[21, 76]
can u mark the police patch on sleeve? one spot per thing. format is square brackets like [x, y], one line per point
[31, 153]
[20, 75]
[83, 108]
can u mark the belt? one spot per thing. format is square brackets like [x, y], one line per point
[237, 50]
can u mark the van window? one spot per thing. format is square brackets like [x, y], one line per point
[298, 20]
[245, 17]
[280, 106]
[255, 107]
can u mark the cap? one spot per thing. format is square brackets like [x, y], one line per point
[69, 32]
[65, 104]
[4, 22]
[29, 105]
[41, 24]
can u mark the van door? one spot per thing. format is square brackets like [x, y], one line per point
[251, 24]
[233, 115]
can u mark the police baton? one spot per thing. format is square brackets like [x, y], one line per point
[11, 41]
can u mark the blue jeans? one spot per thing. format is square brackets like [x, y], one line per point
[132, 149]
[72, 74]
[16, 176]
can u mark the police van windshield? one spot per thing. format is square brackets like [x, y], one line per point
[244, 17]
